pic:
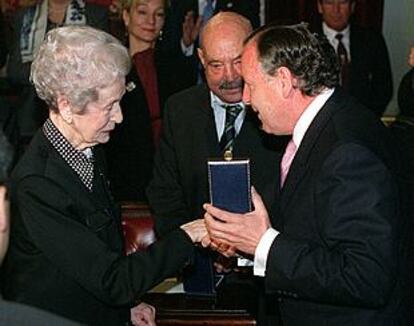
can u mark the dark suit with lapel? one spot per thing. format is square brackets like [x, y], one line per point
[406, 94]
[370, 78]
[179, 186]
[66, 252]
[336, 259]
[3, 42]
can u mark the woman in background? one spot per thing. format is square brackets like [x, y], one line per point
[155, 75]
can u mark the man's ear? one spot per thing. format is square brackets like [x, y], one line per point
[286, 80]
[64, 109]
[200, 53]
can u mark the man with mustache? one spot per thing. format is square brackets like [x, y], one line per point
[193, 126]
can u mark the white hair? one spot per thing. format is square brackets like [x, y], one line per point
[77, 61]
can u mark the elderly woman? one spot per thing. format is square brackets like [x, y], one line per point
[156, 74]
[66, 251]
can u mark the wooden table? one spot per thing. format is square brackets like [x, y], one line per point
[233, 305]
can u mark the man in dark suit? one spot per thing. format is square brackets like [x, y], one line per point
[3, 43]
[330, 249]
[193, 125]
[367, 71]
[406, 89]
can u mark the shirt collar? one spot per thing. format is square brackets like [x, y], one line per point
[309, 115]
[80, 161]
[217, 102]
[331, 33]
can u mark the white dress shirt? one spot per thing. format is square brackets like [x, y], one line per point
[305, 120]
[220, 115]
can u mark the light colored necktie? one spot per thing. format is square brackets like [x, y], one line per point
[287, 161]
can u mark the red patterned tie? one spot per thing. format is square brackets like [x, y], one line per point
[287, 161]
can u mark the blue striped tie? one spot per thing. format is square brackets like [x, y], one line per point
[229, 133]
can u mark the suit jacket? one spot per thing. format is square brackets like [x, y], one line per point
[180, 185]
[406, 94]
[130, 151]
[370, 79]
[336, 260]
[3, 43]
[66, 251]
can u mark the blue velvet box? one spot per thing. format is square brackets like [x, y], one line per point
[229, 183]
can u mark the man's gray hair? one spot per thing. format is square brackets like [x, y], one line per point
[77, 61]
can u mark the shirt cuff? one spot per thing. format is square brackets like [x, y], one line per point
[187, 50]
[262, 251]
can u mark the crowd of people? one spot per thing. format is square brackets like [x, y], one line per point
[98, 120]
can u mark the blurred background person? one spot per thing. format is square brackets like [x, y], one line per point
[363, 55]
[403, 131]
[66, 250]
[8, 121]
[155, 75]
[30, 25]
[3, 43]
[406, 90]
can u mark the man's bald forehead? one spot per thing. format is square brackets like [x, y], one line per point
[225, 19]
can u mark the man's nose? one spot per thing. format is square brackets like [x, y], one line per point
[230, 72]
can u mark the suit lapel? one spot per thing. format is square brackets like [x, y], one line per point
[300, 162]
[204, 121]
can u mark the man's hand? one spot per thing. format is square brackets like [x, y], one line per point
[411, 57]
[191, 28]
[143, 315]
[238, 231]
[196, 230]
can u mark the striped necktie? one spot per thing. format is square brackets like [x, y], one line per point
[343, 60]
[229, 133]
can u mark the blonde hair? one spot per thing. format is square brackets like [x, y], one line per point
[128, 4]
